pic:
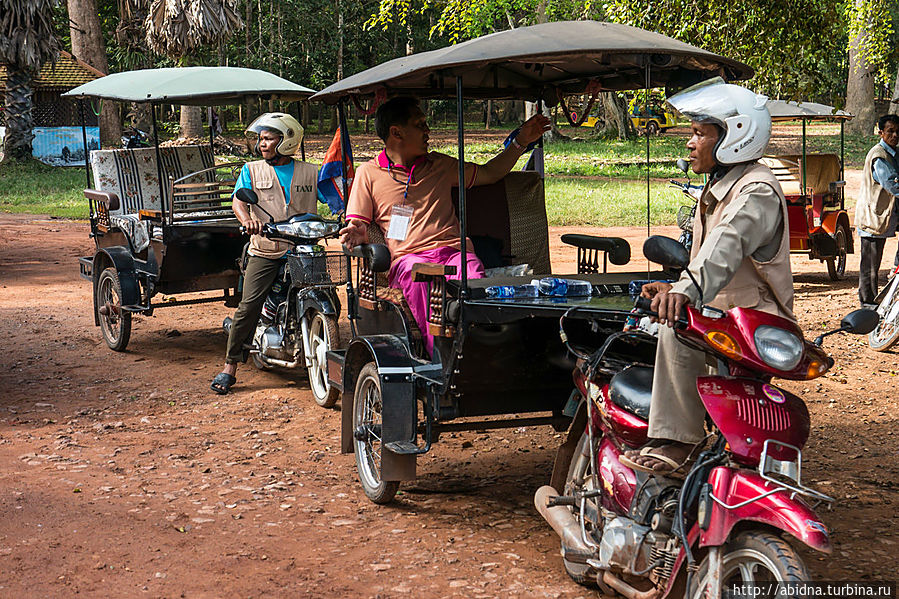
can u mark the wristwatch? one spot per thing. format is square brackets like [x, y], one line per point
[515, 143]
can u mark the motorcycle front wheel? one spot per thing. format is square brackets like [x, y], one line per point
[886, 334]
[323, 337]
[753, 558]
[580, 476]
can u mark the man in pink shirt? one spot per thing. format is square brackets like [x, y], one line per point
[406, 192]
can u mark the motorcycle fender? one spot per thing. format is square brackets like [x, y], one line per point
[399, 408]
[778, 510]
[318, 299]
[121, 259]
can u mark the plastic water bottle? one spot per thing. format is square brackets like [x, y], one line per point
[505, 291]
[561, 287]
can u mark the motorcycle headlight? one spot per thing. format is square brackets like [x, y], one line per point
[312, 229]
[778, 348]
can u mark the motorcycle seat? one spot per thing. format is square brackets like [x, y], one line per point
[631, 390]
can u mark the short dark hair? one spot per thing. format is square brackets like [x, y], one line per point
[887, 118]
[396, 111]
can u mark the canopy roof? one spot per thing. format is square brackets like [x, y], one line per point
[528, 62]
[192, 85]
[807, 111]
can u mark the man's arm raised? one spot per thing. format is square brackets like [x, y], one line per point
[500, 165]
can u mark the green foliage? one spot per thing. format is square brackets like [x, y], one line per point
[878, 43]
[785, 42]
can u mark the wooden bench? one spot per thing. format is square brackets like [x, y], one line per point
[822, 173]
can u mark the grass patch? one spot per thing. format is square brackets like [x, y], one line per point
[37, 188]
[573, 201]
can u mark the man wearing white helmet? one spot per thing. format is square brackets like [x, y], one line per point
[285, 187]
[740, 257]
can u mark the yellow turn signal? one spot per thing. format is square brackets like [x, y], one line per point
[725, 344]
[816, 369]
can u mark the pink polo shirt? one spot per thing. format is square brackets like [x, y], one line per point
[379, 186]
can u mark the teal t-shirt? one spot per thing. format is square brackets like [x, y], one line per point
[284, 172]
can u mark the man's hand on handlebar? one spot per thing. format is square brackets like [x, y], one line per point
[252, 227]
[354, 233]
[668, 305]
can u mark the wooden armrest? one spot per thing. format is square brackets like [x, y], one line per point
[149, 214]
[107, 198]
[432, 269]
[618, 249]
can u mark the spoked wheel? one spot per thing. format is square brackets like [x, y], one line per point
[836, 266]
[652, 128]
[115, 323]
[753, 558]
[323, 337]
[367, 413]
[580, 476]
[886, 334]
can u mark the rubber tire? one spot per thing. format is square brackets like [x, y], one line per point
[836, 266]
[324, 394]
[652, 128]
[876, 340]
[109, 282]
[368, 392]
[580, 573]
[786, 563]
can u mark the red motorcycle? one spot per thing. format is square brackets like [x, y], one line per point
[647, 537]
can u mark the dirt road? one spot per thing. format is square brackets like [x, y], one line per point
[123, 475]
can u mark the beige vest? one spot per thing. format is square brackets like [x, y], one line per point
[765, 286]
[872, 211]
[303, 198]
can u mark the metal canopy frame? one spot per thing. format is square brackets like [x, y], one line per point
[674, 62]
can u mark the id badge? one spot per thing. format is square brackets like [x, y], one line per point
[399, 222]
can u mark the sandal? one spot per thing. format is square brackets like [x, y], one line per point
[222, 382]
[673, 468]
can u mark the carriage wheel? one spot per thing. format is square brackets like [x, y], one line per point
[652, 128]
[367, 413]
[836, 266]
[323, 337]
[115, 323]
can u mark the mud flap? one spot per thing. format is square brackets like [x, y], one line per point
[398, 424]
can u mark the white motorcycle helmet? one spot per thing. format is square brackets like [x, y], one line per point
[740, 112]
[290, 130]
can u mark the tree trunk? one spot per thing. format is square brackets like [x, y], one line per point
[19, 119]
[615, 115]
[860, 87]
[894, 106]
[191, 122]
[88, 45]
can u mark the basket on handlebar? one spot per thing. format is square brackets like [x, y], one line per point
[685, 217]
[317, 268]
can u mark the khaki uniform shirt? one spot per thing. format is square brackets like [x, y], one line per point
[303, 198]
[741, 247]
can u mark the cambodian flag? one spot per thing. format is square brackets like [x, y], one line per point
[330, 177]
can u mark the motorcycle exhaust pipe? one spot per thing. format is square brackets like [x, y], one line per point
[561, 520]
[627, 590]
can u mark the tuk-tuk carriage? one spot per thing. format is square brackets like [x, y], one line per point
[497, 362]
[161, 217]
[814, 188]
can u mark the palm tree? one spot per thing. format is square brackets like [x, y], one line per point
[27, 41]
[176, 28]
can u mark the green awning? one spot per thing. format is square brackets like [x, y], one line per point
[192, 85]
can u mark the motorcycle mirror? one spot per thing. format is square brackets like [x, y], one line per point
[860, 322]
[247, 196]
[666, 251]
[683, 165]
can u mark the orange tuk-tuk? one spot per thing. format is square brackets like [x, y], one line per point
[813, 185]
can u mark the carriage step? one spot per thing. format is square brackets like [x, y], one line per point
[86, 264]
[404, 448]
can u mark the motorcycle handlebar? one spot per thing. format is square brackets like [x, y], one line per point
[644, 305]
